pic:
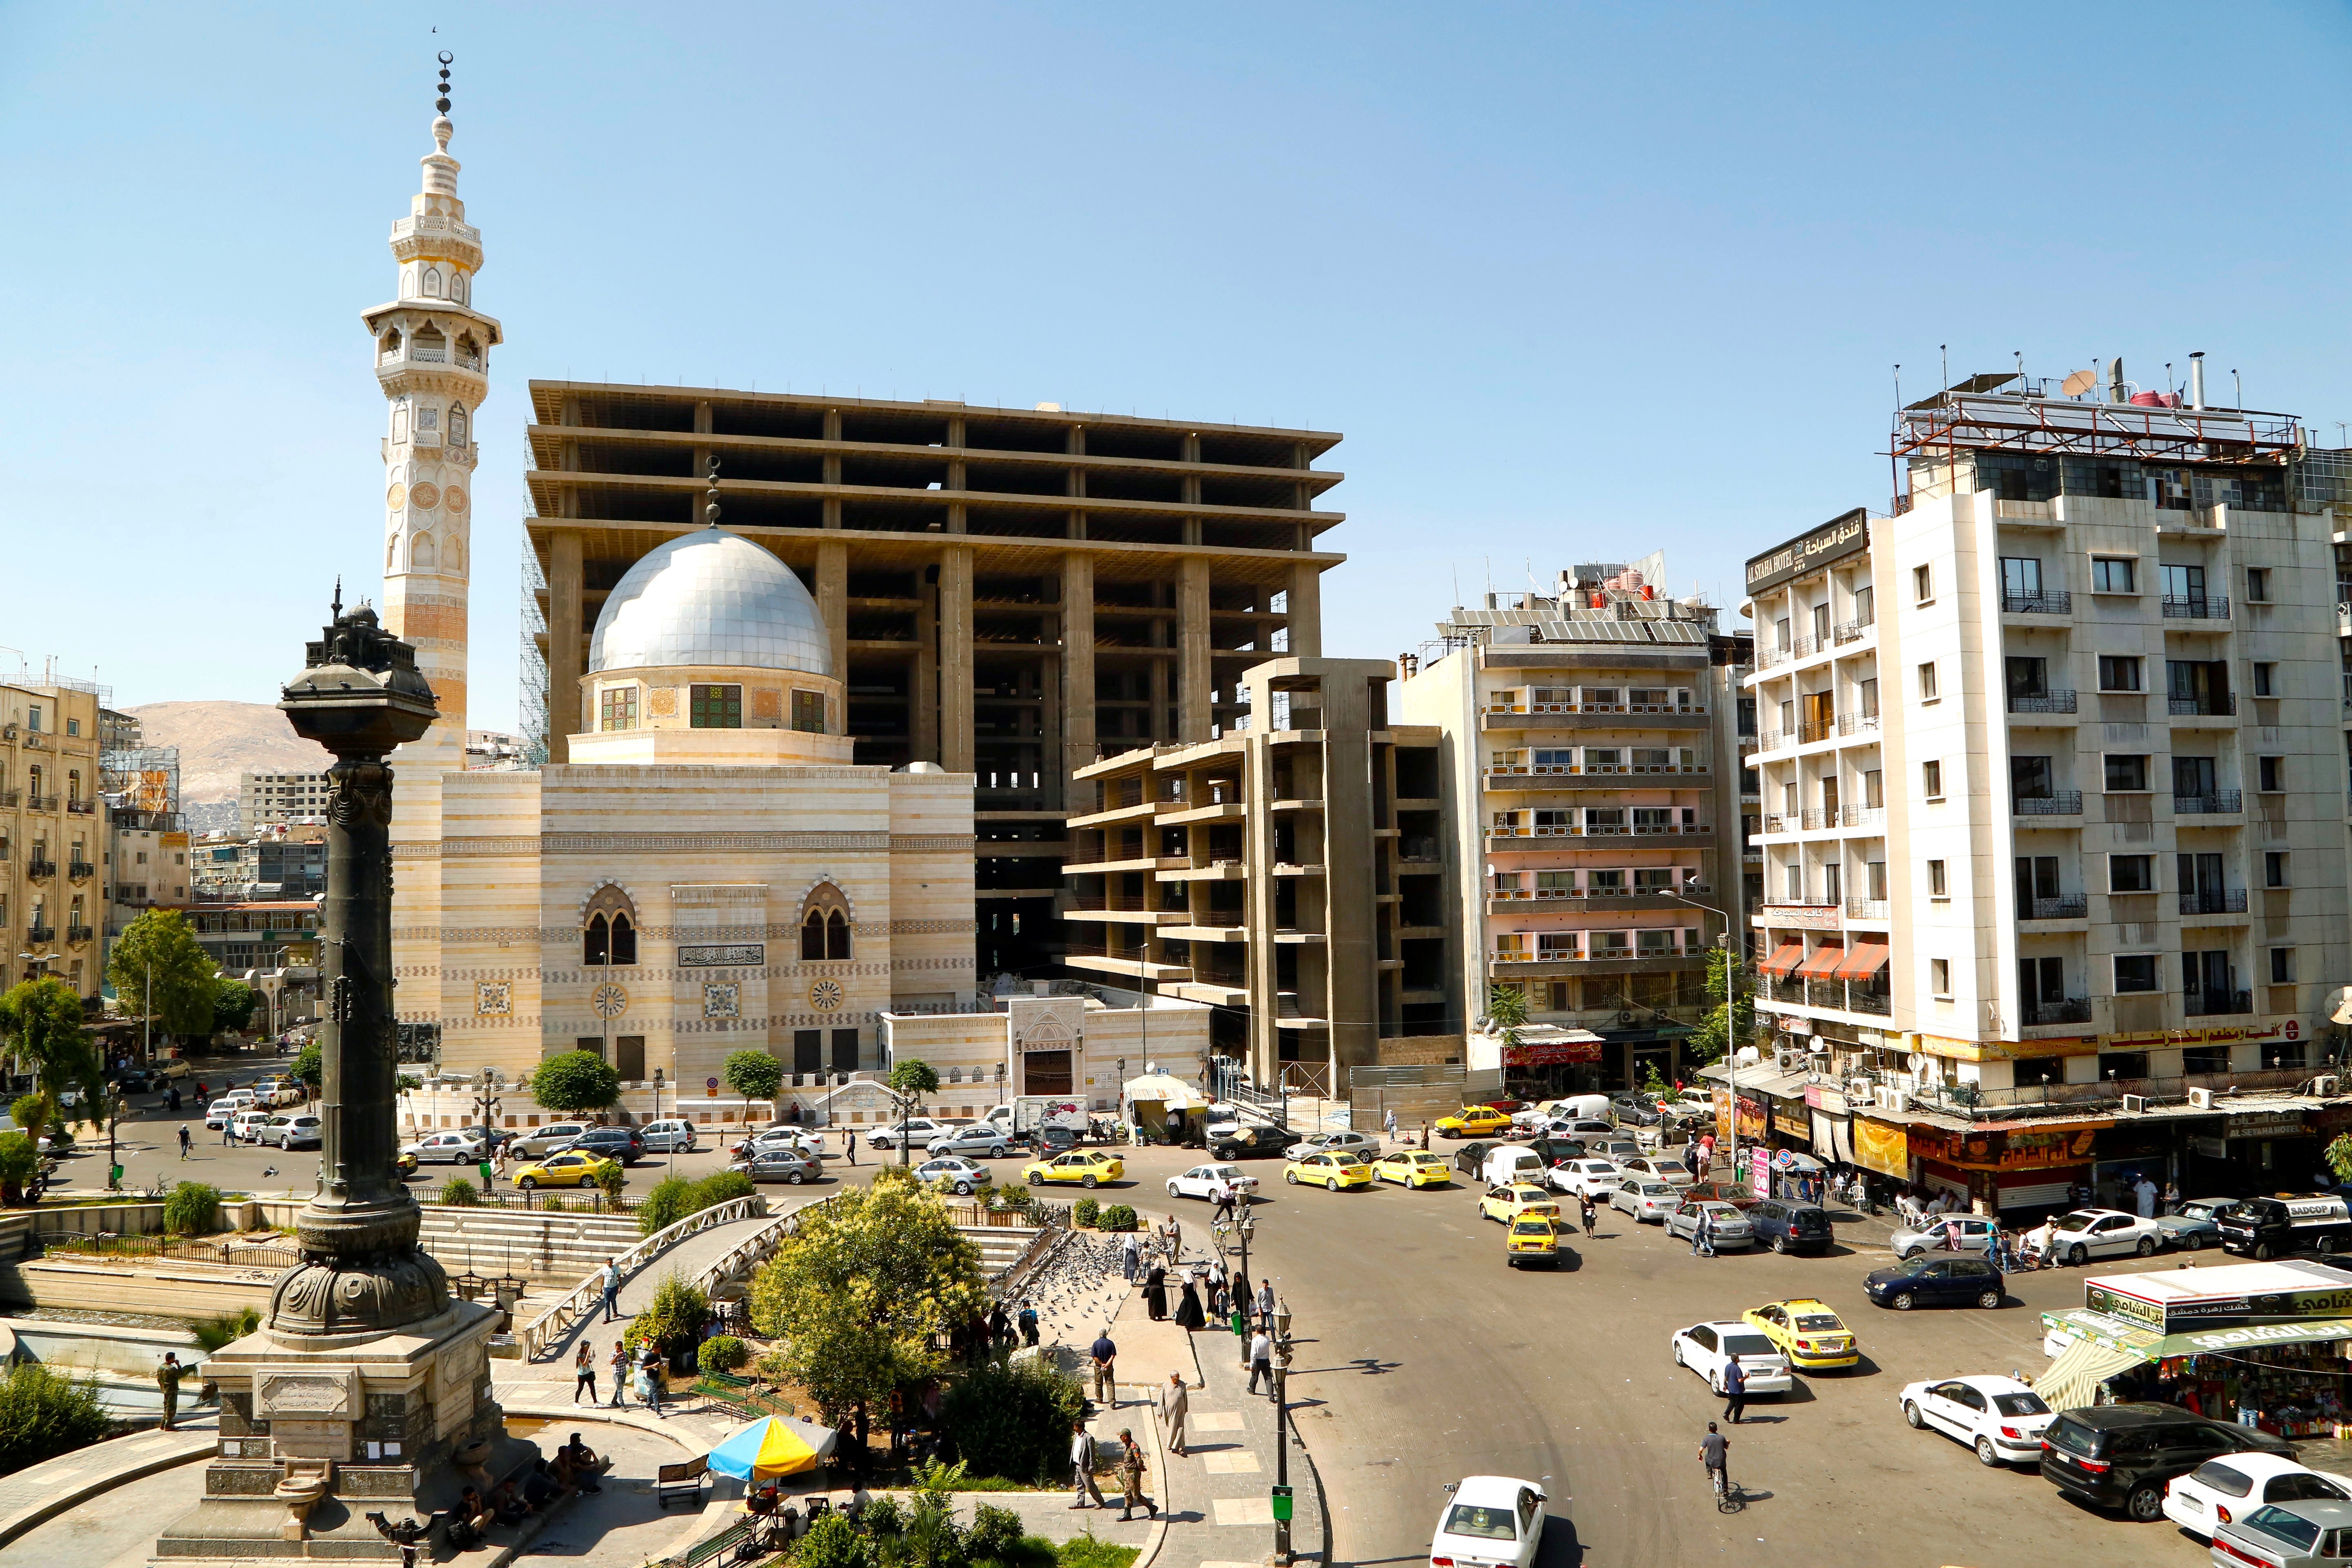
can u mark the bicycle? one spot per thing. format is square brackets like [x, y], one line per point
[1728, 1498]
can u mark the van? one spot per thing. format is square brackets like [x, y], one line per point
[2269, 1227]
[1588, 1107]
[1509, 1164]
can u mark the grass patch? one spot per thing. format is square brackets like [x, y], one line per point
[1086, 1552]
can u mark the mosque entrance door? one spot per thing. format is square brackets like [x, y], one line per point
[1045, 1072]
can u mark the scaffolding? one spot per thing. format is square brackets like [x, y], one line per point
[144, 778]
[533, 663]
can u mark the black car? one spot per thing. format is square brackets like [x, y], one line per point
[622, 1143]
[1471, 1158]
[2121, 1456]
[1933, 1280]
[133, 1083]
[1787, 1226]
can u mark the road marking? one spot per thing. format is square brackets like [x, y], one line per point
[1213, 1421]
[1244, 1509]
[1238, 1463]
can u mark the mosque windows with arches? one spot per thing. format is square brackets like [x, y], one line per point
[824, 925]
[432, 283]
[400, 420]
[609, 936]
[420, 554]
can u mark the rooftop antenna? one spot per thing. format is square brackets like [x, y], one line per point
[1898, 383]
[1945, 349]
[2021, 369]
[2237, 389]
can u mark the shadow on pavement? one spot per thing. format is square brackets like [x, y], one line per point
[1559, 1547]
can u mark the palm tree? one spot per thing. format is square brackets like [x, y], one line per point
[1506, 1009]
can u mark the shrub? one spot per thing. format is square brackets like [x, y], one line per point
[674, 1319]
[833, 1542]
[1084, 1212]
[669, 1201]
[723, 1187]
[1012, 1419]
[229, 1327]
[192, 1209]
[20, 1161]
[994, 1533]
[884, 1518]
[611, 1180]
[43, 1415]
[722, 1352]
[574, 1081]
[458, 1191]
[1119, 1216]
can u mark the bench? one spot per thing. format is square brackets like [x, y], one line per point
[716, 1547]
[682, 1481]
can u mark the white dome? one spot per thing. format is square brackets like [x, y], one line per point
[711, 597]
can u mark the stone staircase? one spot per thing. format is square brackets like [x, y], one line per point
[535, 1246]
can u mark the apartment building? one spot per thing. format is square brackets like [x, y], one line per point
[280, 797]
[1591, 751]
[2052, 758]
[53, 836]
[1288, 873]
[1010, 592]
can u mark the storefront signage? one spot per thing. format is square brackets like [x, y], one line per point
[2210, 1148]
[1551, 1053]
[2221, 1035]
[1822, 1097]
[1833, 540]
[2271, 1124]
[2205, 1342]
[1751, 1118]
[1882, 1148]
[2170, 1314]
[2010, 1150]
[1793, 1119]
[1801, 916]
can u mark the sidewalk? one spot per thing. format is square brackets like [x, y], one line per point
[32, 1495]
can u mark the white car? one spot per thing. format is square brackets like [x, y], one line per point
[977, 1138]
[1661, 1168]
[1645, 1199]
[1333, 1144]
[1213, 1183]
[463, 1147]
[246, 1126]
[793, 1138]
[1707, 1348]
[1489, 1521]
[1594, 1179]
[2230, 1488]
[2086, 1234]
[916, 1131]
[671, 1134]
[217, 1113]
[2000, 1417]
[300, 1130]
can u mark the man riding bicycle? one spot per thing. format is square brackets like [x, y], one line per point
[1715, 1453]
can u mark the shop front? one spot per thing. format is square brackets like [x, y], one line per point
[2269, 1151]
[1832, 1123]
[2008, 1171]
[1551, 1062]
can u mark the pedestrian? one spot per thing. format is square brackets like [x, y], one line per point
[1715, 1453]
[583, 1372]
[1155, 1293]
[172, 1096]
[611, 1275]
[649, 1377]
[185, 1139]
[1131, 1478]
[228, 1130]
[1175, 1241]
[1130, 1256]
[1707, 1233]
[1392, 1124]
[1266, 1303]
[1735, 1391]
[1000, 1326]
[1175, 1403]
[849, 1146]
[1261, 1361]
[1028, 1320]
[498, 1161]
[167, 1378]
[1189, 1315]
[1217, 1288]
[1224, 1214]
[620, 1373]
[2145, 1197]
[1082, 1467]
[1588, 1212]
[1104, 1353]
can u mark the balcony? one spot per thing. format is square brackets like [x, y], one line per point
[2214, 901]
[40, 933]
[78, 933]
[1852, 631]
[1862, 817]
[2057, 803]
[40, 803]
[2192, 607]
[1857, 724]
[1813, 729]
[2058, 602]
[2073, 909]
[2199, 1003]
[2042, 702]
[82, 807]
[38, 867]
[12, 797]
[2217, 804]
[1506, 836]
[2222, 706]
[81, 870]
[1766, 658]
[1865, 909]
[2072, 1010]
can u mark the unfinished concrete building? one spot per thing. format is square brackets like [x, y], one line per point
[1012, 593]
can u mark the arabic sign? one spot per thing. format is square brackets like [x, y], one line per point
[748, 954]
[2170, 1314]
[1882, 1148]
[2269, 1125]
[1833, 540]
[2010, 1151]
[2252, 1337]
[1548, 1053]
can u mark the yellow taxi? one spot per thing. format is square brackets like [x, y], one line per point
[1809, 1332]
[1507, 1203]
[1087, 1167]
[1331, 1170]
[1413, 1168]
[1473, 1122]
[1531, 1239]
[572, 1168]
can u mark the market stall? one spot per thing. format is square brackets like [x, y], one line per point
[1161, 1109]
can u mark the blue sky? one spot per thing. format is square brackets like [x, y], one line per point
[1576, 281]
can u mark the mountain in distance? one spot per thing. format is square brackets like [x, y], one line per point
[221, 742]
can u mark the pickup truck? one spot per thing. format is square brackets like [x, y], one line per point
[1247, 1140]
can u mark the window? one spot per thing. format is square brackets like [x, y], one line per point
[2274, 868]
[1868, 691]
[1927, 682]
[2131, 873]
[73, 726]
[845, 1050]
[33, 721]
[716, 707]
[1796, 884]
[825, 924]
[2027, 676]
[2258, 584]
[432, 283]
[1937, 888]
[808, 711]
[2282, 966]
[1939, 977]
[1781, 627]
[2126, 774]
[1865, 606]
[1820, 625]
[617, 707]
[1931, 776]
[2118, 672]
[2134, 972]
[1922, 585]
[2020, 578]
[429, 419]
[2031, 778]
[2112, 574]
[457, 425]
[2265, 678]
[1873, 788]
[2271, 772]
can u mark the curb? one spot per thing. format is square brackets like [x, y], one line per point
[48, 1508]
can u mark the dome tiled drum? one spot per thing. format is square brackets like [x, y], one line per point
[710, 598]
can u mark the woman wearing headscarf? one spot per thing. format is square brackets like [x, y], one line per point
[1189, 1315]
[1155, 1292]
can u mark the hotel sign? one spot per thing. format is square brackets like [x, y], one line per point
[1833, 540]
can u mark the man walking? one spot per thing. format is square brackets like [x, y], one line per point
[849, 1146]
[1266, 1303]
[1105, 1356]
[1028, 1324]
[1082, 1466]
[1261, 1361]
[1175, 1402]
[1131, 1478]
[612, 1275]
[1735, 1391]
[167, 1377]
[185, 1139]
[620, 1374]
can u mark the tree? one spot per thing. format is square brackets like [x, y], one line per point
[157, 957]
[1506, 1009]
[914, 1079]
[1012, 1419]
[309, 1068]
[861, 1290]
[41, 1021]
[576, 1081]
[1722, 1026]
[754, 1075]
[20, 1161]
[32, 1113]
[233, 1004]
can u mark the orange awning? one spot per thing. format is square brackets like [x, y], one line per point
[1822, 964]
[1785, 957]
[1862, 960]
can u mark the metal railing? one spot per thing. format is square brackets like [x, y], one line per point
[2057, 602]
[78, 934]
[551, 1325]
[40, 803]
[1861, 816]
[1873, 1002]
[39, 865]
[2191, 607]
[2042, 702]
[2057, 803]
[1766, 656]
[1857, 723]
[2217, 706]
[184, 1249]
[2218, 802]
[82, 807]
[2073, 909]
[81, 870]
[2199, 1003]
[2072, 1010]
[40, 933]
[1866, 908]
[1778, 822]
[2214, 901]
[1811, 729]
[1852, 631]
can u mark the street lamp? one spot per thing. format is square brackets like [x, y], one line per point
[1730, 1020]
[669, 1151]
[1281, 1558]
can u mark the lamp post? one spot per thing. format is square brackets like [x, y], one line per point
[1281, 1558]
[1730, 1020]
[669, 1149]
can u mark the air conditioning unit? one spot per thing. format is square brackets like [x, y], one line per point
[2134, 1105]
[2200, 1100]
[2329, 1084]
[1889, 1098]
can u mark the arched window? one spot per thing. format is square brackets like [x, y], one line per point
[420, 553]
[812, 935]
[458, 287]
[624, 940]
[596, 944]
[457, 425]
[400, 420]
[390, 347]
[73, 784]
[609, 927]
[453, 554]
[836, 935]
[432, 283]
[824, 924]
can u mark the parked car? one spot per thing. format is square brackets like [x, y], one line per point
[1595, 1179]
[1507, 1203]
[301, 1129]
[547, 1140]
[1644, 1199]
[809, 1143]
[2000, 1417]
[1413, 1168]
[1729, 1227]
[1471, 1158]
[1331, 1172]
[2316, 1534]
[1736, 1193]
[1809, 1332]
[1661, 1168]
[779, 1163]
[1087, 1167]
[1708, 1348]
[622, 1143]
[1213, 1184]
[670, 1135]
[2086, 1234]
[2121, 1456]
[249, 1122]
[217, 1114]
[1934, 1280]
[1361, 1143]
[1786, 1225]
[2220, 1490]
[1935, 1234]
[917, 1131]
[976, 1138]
[2197, 1224]
[133, 1083]
[1492, 1520]
[462, 1147]
[1473, 1122]
[954, 1173]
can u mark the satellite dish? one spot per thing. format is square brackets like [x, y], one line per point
[1914, 1062]
[2339, 1006]
[2079, 382]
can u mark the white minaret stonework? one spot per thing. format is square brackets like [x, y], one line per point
[432, 358]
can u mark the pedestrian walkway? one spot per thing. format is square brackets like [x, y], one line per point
[30, 1496]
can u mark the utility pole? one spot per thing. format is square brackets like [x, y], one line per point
[1282, 1498]
[669, 1152]
[486, 1106]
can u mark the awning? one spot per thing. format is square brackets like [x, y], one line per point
[1862, 961]
[1822, 964]
[2074, 1379]
[1785, 957]
[773, 1446]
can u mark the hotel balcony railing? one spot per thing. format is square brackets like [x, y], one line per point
[1861, 816]
[40, 803]
[2057, 803]
[2220, 801]
[1776, 823]
[1638, 830]
[1857, 723]
[1773, 740]
[2199, 1003]
[1852, 631]
[81, 870]
[40, 933]
[1866, 908]
[1766, 658]
[1540, 895]
[2042, 702]
[82, 807]
[2072, 1010]
[2216, 902]
[2194, 607]
[37, 866]
[78, 933]
[2220, 706]
[1591, 770]
[1806, 646]
[1877, 1002]
[2073, 909]
[1820, 816]
[2056, 603]
[1813, 729]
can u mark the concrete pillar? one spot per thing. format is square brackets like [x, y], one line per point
[955, 659]
[564, 644]
[1193, 677]
[832, 475]
[1306, 600]
[924, 733]
[1257, 857]
[1077, 662]
[1350, 911]
[833, 602]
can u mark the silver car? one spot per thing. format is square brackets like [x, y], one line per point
[1935, 1236]
[1646, 1198]
[780, 1165]
[977, 1138]
[1334, 1144]
[2196, 1224]
[1729, 1227]
[541, 1141]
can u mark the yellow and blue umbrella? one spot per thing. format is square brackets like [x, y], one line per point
[773, 1446]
